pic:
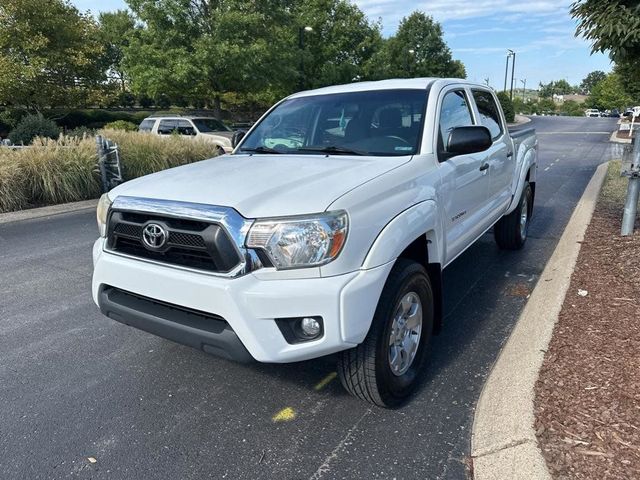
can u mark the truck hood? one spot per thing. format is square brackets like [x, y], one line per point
[262, 185]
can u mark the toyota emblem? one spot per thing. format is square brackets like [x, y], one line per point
[154, 236]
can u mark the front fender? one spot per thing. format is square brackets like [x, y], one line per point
[399, 233]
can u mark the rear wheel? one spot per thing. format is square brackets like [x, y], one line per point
[386, 367]
[512, 230]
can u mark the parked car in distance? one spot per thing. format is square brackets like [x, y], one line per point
[207, 128]
[592, 112]
[615, 113]
[326, 231]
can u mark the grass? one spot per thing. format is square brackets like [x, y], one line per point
[614, 189]
[65, 170]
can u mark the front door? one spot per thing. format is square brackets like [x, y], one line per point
[464, 179]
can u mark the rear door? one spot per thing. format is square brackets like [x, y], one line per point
[500, 158]
[464, 183]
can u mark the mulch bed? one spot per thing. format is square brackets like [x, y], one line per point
[588, 394]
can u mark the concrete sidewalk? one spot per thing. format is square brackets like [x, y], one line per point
[504, 444]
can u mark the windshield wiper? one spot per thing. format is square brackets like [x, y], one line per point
[261, 149]
[331, 149]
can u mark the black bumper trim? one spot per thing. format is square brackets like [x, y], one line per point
[206, 332]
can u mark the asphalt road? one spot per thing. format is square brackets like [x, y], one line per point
[75, 385]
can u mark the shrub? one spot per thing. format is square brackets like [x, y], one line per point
[162, 101]
[33, 126]
[64, 170]
[144, 101]
[144, 154]
[122, 125]
[80, 132]
[507, 106]
[126, 99]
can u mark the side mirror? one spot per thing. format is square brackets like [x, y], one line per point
[237, 137]
[467, 140]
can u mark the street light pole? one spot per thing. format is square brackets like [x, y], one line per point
[524, 87]
[301, 32]
[506, 70]
[513, 71]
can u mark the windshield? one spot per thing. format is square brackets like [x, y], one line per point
[382, 123]
[205, 125]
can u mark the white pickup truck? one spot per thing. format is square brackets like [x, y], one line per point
[326, 231]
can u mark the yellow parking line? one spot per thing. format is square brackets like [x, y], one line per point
[285, 415]
[325, 381]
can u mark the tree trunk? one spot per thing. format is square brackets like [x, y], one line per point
[217, 107]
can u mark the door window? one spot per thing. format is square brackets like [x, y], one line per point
[167, 127]
[489, 112]
[455, 112]
[146, 125]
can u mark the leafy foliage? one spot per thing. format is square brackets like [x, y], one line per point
[609, 94]
[591, 80]
[416, 50]
[115, 28]
[507, 106]
[33, 126]
[48, 53]
[611, 25]
[572, 108]
[559, 87]
[122, 125]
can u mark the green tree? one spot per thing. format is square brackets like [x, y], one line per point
[416, 50]
[559, 87]
[115, 31]
[611, 25]
[341, 41]
[203, 49]
[573, 108]
[609, 94]
[49, 54]
[507, 106]
[591, 80]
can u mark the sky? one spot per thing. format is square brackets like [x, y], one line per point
[479, 32]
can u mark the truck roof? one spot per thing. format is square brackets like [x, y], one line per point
[391, 84]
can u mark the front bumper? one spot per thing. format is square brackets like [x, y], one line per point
[248, 304]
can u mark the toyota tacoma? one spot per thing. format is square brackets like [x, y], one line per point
[325, 231]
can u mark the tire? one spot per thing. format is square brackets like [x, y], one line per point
[366, 371]
[512, 230]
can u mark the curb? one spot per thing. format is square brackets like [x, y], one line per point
[503, 440]
[520, 120]
[614, 139]
[46, 211]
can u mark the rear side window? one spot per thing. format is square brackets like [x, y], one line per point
[489, 113]
[185, 128]
[146, 125]
[167, 127]
[455, 112]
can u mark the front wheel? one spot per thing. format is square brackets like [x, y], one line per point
[386, 367]
[512, 230]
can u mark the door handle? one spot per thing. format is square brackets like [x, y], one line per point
[485, 166]
[510, 154]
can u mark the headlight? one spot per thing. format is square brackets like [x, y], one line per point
[299, 242]
[101, 213]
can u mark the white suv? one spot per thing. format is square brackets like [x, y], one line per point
[208, 128]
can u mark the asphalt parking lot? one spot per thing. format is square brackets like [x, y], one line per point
[77, 385]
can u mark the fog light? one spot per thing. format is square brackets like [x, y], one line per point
[300, 329]
[310, 327]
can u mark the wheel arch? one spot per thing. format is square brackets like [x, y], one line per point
[414, 234]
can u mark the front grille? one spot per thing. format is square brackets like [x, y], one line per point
[189, 243]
